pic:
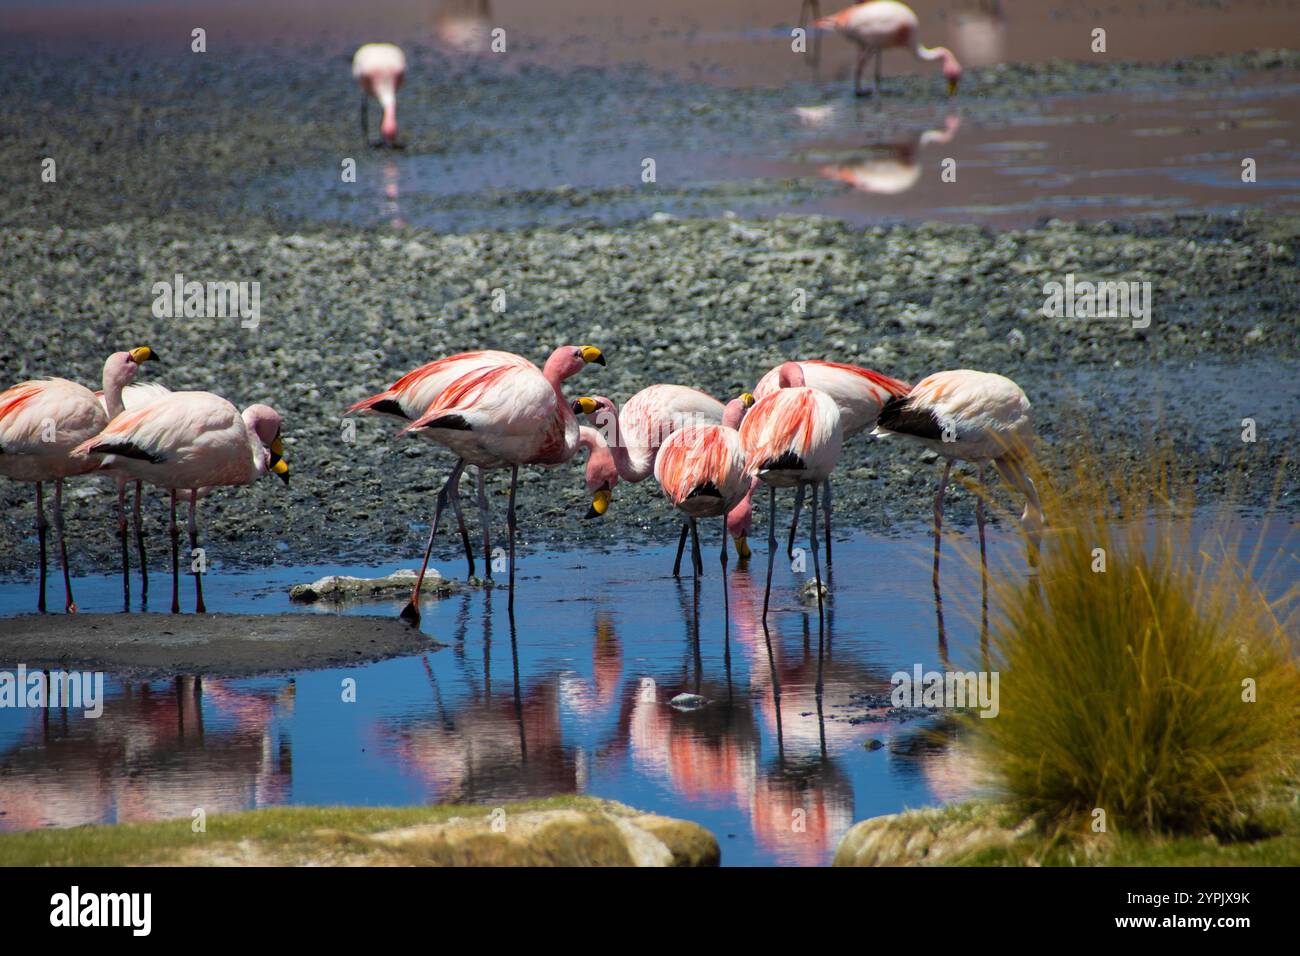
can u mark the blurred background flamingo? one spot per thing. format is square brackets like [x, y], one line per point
[379, 68]
[886, 25]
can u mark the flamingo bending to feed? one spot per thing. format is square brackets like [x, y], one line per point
[859, 394]
[701, 469]
[187, 443]
[881, 25]
[635, 434]
[974, 416]
[494, 410]
[379, 68]
[41, 423]
[133, 396]
[792, 438]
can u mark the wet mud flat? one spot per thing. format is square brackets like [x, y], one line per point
[146, 646]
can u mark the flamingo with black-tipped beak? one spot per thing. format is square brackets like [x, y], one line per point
[881, 25]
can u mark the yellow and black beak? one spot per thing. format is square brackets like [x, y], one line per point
[278, 465]
[742, 548]
[584, 406]
[747, 398]
[599, 503]
[592, 354]
[952, 87]
[143, 354]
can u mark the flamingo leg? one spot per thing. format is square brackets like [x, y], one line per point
[794, 523]
[681, 548]
[412, 610]
[726, 601]
[876, 88]
[938, 519]
[176, 560]
[199, 607]
[984, 560]
[121, 534]
[826, 509]
[41, 525]
[454, 495]
[365, 124]
[695, 549]
[485, 523]
[69, 605]
[139, 545]
[510, 525]
[817, 576]
[771, 548]
[857, 72]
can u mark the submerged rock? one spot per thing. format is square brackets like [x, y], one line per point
[688, 702]
[340, 588]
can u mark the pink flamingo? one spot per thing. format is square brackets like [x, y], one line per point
[379, 68]
[859, 393]
[133, 396]
[974, 416]
[635, 433]
[881, 25]
[701, 469]
[189, 442]
[494, 410]
[41, 422]
[792, 438]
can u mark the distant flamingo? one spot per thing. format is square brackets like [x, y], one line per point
[881, 25]
[189, 442]
[41, 422]
[636, 432]
[379, 68]
[974, 416]
[494, 410]
[133, 396]
[792, 438]
[859, 394]
[701, 469]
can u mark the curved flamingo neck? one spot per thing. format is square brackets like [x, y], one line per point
[790, 375]
[734, 413]
[113, 387]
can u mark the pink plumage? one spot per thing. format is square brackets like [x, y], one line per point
[880, 25]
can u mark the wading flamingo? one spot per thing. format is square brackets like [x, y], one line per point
[379, 68]
[973, 416]
[494, 410]
[636, 432]
[859, 393]
[187, 443]
[41, 422]
[792, 438]
[883, 25]
[133, 396]
[701, 469]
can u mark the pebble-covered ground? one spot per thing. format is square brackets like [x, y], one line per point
[156, 161]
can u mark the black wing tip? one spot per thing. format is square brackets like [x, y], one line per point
[706, 490]
[450, 422]
[787, 461]
[389, 406]
[898, 415]
[127, 450]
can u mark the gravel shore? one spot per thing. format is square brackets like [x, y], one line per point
[157, 160]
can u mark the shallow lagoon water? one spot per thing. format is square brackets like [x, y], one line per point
[578, 702]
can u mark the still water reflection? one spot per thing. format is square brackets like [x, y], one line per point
[574, 700]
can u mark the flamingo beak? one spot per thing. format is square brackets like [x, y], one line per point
[281, 468]
[278, 465]
[742, 548]
[599, 503]
[748, 399]
[143, 354]
[952, 87]
[592, 354]
[584, 406]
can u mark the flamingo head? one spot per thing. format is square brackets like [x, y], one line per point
[264, 422]
[734, 413]
[790, 375]
[120, 367]
[602, 473]
[951, 71]
[740, 521]
[569, 360]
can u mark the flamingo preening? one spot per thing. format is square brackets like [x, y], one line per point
[187, 443]
[881, 25]
[635, 434]
[792, 438]
[701, 469]
[42, 422]
[973, 416]
[379, 68]
[493, 410]
[859, 394]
